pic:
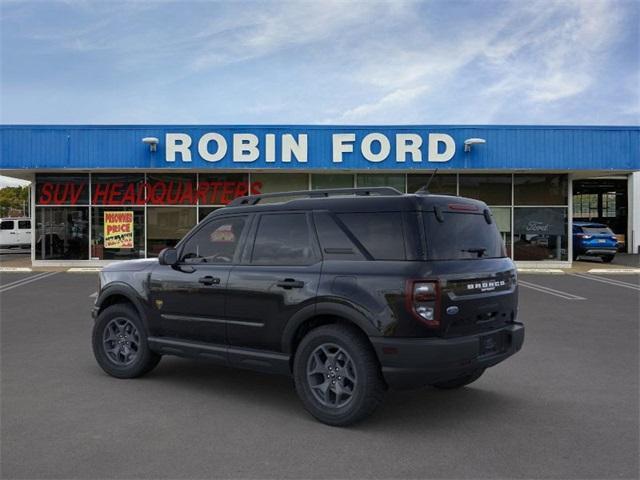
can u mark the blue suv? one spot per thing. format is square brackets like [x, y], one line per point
[594, 239]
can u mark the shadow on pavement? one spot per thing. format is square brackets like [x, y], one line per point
[401, 410]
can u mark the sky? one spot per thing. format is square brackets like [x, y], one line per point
[320, 62]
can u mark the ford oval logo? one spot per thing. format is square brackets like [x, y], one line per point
[452, 310]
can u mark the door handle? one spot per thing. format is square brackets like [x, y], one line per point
[290, 283]
[209, 280]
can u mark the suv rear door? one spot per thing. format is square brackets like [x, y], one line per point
[477, 280]
[278, 276]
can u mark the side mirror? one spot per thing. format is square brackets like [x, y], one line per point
[168, 256]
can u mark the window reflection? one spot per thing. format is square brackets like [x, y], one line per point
[540, 233]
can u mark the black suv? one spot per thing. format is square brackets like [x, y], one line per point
[350, 291]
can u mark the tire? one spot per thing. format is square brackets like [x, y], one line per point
[608, 258]
[130, 356]
[460, 381]
[326, 350]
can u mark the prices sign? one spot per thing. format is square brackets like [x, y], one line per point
[118, 229]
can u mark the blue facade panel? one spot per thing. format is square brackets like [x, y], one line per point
[507, 147]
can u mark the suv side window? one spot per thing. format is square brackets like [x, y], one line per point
[216, 242]
[24, 224]
[381, 233]
[283, 239]
[335, 243]
[6, 225]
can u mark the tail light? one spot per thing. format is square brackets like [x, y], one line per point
[423, 301]
[582, 235]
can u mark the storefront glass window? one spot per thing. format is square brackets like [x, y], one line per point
[172, 189]
[124, 230]
[166, 226]
[540, 233]
[491, 189]
[62, 233]
[117, 189]
[321, 181]
[62, 189]
[204, 211]
[540, 189]
[280, 182]
[382, 180]
[502, 217]
[440, 184]
[222, 188]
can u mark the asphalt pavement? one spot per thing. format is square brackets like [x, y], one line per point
[566, 406]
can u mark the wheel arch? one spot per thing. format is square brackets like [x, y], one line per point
[316, 315]
[120, 294]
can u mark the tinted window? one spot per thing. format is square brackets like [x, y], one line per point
[595, 230]
[541, 189]
[381, 234]
[216, 242]
[439, 184]
[490, 188]
[166, 226]
[462, 236]
[283, 239]
[334, 242]
[24, 224]
[540, 233]
[6, 225]
[62, 189]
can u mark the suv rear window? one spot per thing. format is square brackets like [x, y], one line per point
[594, 230]
[462, 236]
[6, 225]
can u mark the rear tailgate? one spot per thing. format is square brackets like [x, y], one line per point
[476, 303]
[478, 287]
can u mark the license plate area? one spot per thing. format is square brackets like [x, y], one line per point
[492, 344]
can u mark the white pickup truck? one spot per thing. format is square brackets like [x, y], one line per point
[15, 232]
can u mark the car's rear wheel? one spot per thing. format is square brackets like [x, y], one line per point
[337, 375]
[608, 258]
[120, 343]
[460, 381]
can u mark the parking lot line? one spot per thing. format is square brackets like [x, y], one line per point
[550, 291]
[24, 281]
[608, 281]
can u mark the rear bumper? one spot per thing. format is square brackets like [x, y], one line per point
[599, 251]
[415, 362]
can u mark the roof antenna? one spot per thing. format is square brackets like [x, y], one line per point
[425, 190]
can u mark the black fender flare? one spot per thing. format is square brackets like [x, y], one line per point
[124, 290]
[346, 312]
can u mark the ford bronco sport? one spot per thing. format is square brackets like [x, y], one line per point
[349, 291]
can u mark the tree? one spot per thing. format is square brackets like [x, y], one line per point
[14, 201]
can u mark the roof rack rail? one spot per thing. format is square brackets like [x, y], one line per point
[254, 199]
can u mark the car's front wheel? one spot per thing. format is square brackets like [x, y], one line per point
[608, 258]
[120, 343]
[337, 375]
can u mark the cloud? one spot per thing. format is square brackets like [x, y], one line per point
[391, 101]
[341, 61]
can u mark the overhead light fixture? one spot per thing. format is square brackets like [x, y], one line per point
[473, 141]
[152, 142]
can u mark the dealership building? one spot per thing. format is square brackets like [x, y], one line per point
[537, 180]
